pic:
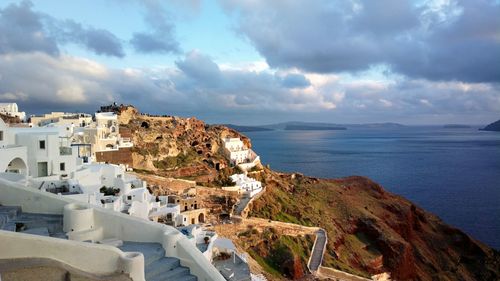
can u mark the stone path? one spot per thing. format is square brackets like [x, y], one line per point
[318, 250]
[238, 210]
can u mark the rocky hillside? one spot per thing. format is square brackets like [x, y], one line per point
[371, 231]
[177, 147]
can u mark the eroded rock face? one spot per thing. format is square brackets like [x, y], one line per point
[371, 231]
[174, 146]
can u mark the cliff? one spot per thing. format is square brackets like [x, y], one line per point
[177, 147]
[371, 231]
[495, 126]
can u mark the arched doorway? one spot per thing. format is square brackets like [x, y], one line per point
[18, 166]
[201, 218]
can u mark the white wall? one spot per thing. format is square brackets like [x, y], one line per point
[50, 154]
[96, 259]
[112, 225]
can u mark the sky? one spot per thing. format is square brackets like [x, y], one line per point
[255, 62]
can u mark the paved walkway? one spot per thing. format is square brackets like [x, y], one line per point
[318, 250]
[238, 210]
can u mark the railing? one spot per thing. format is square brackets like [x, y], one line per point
[63, 150]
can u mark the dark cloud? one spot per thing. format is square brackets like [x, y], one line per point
[21, 30]
[435, 40]
[99, 41]
[24, 30]
[161, 39]
[239, 95]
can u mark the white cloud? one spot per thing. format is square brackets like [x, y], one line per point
[18, 96]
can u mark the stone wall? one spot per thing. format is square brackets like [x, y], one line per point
[120, 156]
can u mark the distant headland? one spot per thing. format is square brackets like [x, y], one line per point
[309, 126]
[495, 126]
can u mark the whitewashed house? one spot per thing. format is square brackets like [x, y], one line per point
[103, 135]
[61, 119]
[11, 109]
[13, 157]
[248, 186]
[240, 155]
[43, 158]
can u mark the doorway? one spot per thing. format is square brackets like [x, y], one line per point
[42, 169]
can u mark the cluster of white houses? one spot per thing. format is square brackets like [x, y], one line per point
[50, 168]
[246, 159]
[59, 157]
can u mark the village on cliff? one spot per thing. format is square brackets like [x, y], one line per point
[62, 183]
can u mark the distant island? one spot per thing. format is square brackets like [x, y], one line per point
[247, 128]
[327, 126]
[495, 126]
[312, 128]
[309, 126]
[455, 126]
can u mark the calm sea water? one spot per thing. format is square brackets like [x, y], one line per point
[454, 173]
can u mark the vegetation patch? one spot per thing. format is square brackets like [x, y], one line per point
[278, 254]
[182, 160]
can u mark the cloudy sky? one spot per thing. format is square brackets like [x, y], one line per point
[257, 61]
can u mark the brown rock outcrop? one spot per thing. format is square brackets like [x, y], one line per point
[174, 146]
[372, 231]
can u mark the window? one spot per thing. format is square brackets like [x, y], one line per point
[42, 144]
[62, 166]
[1, 135]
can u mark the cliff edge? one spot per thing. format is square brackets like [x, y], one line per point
[370, 230]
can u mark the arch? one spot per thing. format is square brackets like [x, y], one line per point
[201, 218]
[17, 165]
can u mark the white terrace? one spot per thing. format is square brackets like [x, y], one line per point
[40, 227]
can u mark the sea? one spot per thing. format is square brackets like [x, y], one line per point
[451, 172]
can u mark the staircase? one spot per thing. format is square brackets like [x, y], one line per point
[157, 267]
[13, 219]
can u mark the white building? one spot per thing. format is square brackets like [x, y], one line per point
[11, 109]
[61, 119]
[239, 154]
[13, 157]
[45, 159]
[101, 136]
[248, 186]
